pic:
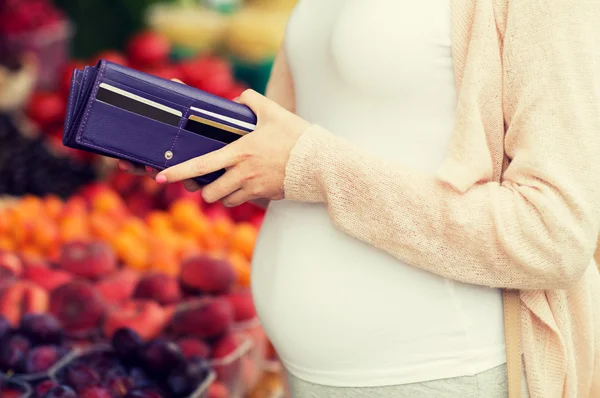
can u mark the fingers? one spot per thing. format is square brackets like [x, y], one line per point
[152, 173]
[213, 161]
[191, 185]
[253, 100]
[236, 198]
[229, 182]
[130, 168]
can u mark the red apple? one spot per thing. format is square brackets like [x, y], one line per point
[148, 49]
[46, 109]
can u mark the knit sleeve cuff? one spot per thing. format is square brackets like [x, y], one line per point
[302, 174]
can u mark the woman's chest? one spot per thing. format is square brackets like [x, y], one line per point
[381, 47]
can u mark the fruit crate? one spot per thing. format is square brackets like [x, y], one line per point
[56, 372]
[51, 44]
[11, 388]
[238, 370]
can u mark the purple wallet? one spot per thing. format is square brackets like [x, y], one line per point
[127, 114]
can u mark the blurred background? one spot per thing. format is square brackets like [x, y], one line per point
[86, 250]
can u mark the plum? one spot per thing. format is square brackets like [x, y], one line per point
[160, 356]
[41, 328]
[127, 344]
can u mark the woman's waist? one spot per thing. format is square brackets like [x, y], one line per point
[305, 266]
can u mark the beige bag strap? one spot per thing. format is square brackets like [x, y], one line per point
[512, 330]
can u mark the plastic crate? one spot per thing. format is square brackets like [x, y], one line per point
[17, 385]
[240, 370]
[200, 392]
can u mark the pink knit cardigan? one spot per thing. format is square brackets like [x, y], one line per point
[517, 202]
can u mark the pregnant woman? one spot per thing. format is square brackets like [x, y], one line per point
[419, 157]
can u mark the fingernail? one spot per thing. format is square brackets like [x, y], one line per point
[148, 169]
[161, 179]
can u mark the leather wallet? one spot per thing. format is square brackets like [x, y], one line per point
[123, 113]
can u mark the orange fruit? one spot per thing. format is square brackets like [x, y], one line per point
[159, 220]
[74, 227]
[244, 238]
[33, 205]
[102, 227]
[221, 228]
[5, 222]
[22, 228]
[241, 266]
[109, 202]
[134, 226]
[182, 211]
[45, 234]
[7, 244]
[198, 227]
[75, 206]
[53, 206]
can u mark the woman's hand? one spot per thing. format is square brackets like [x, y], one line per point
[255, 163]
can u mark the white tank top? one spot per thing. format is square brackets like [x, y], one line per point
[339, 311]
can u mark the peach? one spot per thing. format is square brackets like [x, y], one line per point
[21, 298]
[207, 274]
[78, 306]
[145, 317]
[118, 287]
[88, 260]
[45, 277]
[203, 318]
[157, 286]
[242, 304]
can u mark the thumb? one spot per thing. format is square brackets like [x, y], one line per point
[177, 81]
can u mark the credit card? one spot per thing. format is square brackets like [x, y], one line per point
[213, 130]
[139, 105]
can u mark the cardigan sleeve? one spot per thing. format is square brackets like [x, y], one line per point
[537, 229]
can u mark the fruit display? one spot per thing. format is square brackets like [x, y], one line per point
[130, 367]
[68, 231]
[47, 308]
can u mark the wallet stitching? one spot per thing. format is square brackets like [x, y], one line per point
[180, 127]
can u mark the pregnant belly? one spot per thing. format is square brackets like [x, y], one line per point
[330, 303]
